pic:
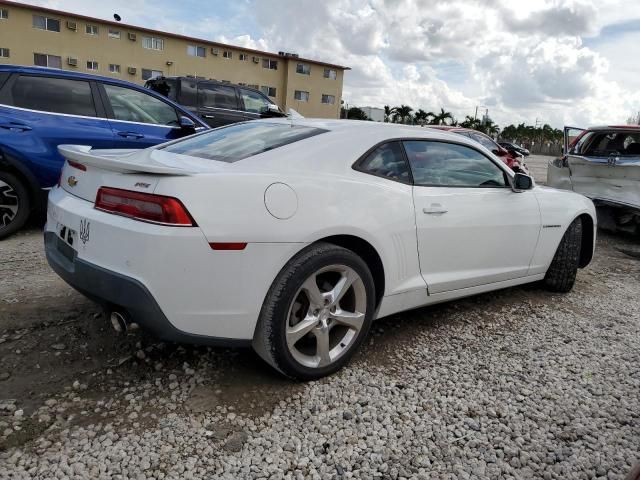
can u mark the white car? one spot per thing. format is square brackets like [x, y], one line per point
[294, 235]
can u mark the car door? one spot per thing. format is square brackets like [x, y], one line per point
[139, 119]
[472, 228]
[218, 104]
[40, 112]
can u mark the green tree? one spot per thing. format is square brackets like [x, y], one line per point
[355, 113]
[402, 114]
[443, 118]
[421, 117]
[388, 112]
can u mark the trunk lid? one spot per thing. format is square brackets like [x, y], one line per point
[86, 170]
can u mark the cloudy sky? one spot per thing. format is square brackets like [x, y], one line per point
[555, 61]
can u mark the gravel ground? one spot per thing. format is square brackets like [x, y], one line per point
[513, 384]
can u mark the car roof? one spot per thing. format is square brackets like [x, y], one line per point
[612, 127]
[206, 80]
[64, 73]
[390, 130]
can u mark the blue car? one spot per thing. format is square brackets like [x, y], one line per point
[41, 108]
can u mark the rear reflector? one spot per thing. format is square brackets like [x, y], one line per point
[77, 165]
[228, 246]
[144, 206]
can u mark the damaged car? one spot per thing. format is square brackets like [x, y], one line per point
[603, 163]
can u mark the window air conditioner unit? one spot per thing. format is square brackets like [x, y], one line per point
[72, 25]
[73, 62]
[214, 51]
[132, 36]
[132, 70]
[256, 60]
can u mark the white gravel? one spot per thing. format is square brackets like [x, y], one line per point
[517, 384]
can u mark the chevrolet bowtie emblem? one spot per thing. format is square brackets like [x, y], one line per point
[72, 181]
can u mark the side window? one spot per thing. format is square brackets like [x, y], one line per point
[439, 164]
[253, 101]
[3, 78]
[188, 93]
[134, 106]
[217, 96]
[387, 161]
[56, 95]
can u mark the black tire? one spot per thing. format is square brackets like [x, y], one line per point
[13, 194]
[561, 274]
[270, 340]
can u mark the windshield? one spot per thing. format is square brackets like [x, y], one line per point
[603, 144]
[242, 140]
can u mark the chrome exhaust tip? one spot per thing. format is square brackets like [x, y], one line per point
[119, 321]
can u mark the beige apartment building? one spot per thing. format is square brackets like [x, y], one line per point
[32, 35]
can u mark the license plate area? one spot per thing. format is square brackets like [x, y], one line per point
[67, 238]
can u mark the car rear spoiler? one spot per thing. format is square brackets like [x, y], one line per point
[125, 161]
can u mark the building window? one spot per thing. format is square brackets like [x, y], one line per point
[227, 54]
[44, 60]
[46, 23]
[303, 69]
[114, 33]
[149, 74]
[268, 91]
[4, 52]
[196, 51]
[4, 13]
[91, 65]
[254, 86]
[330, 73]
[328, 99]
[270, 64]
[301, 95]
[153, 43]
[114, 68]
[244, 57]
[91, 29]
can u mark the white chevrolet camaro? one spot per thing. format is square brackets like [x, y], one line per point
[294, 235]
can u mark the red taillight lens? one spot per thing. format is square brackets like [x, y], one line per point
[144, 206]
[77, 165]
[228, 245]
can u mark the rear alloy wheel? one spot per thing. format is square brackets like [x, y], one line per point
[317, 313]
[14, 204]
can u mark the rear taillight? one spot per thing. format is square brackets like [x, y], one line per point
[144, 206]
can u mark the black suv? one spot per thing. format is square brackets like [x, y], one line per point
[217, 103]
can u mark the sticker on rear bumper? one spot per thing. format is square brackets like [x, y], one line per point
[84, 230]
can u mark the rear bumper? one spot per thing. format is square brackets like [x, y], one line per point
[114, 290]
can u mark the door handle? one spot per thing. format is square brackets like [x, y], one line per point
[15, 127]
[131, 134]
[208, 116]
[434, 209]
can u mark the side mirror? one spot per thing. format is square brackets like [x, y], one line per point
[271, 110]
[522, 182]
[187, 125]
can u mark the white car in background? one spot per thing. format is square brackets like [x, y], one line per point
[294, 235]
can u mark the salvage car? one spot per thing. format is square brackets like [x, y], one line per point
[41, 108]
[514, 160]
[293, 236]
[514, 149]
[603, 163]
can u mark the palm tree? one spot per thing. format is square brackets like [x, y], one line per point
[443, 118]
[421, 117]
[388, 112]
[470, 122]
[403, 113]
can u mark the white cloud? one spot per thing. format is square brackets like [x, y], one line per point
[524, 60]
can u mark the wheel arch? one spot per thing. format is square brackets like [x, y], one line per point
[587, 243]
[368, 253]
[11, 165]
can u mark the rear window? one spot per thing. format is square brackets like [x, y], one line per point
[603, 144]
[242, 140]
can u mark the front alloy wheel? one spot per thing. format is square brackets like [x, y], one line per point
[14, 204]
[317, 312]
